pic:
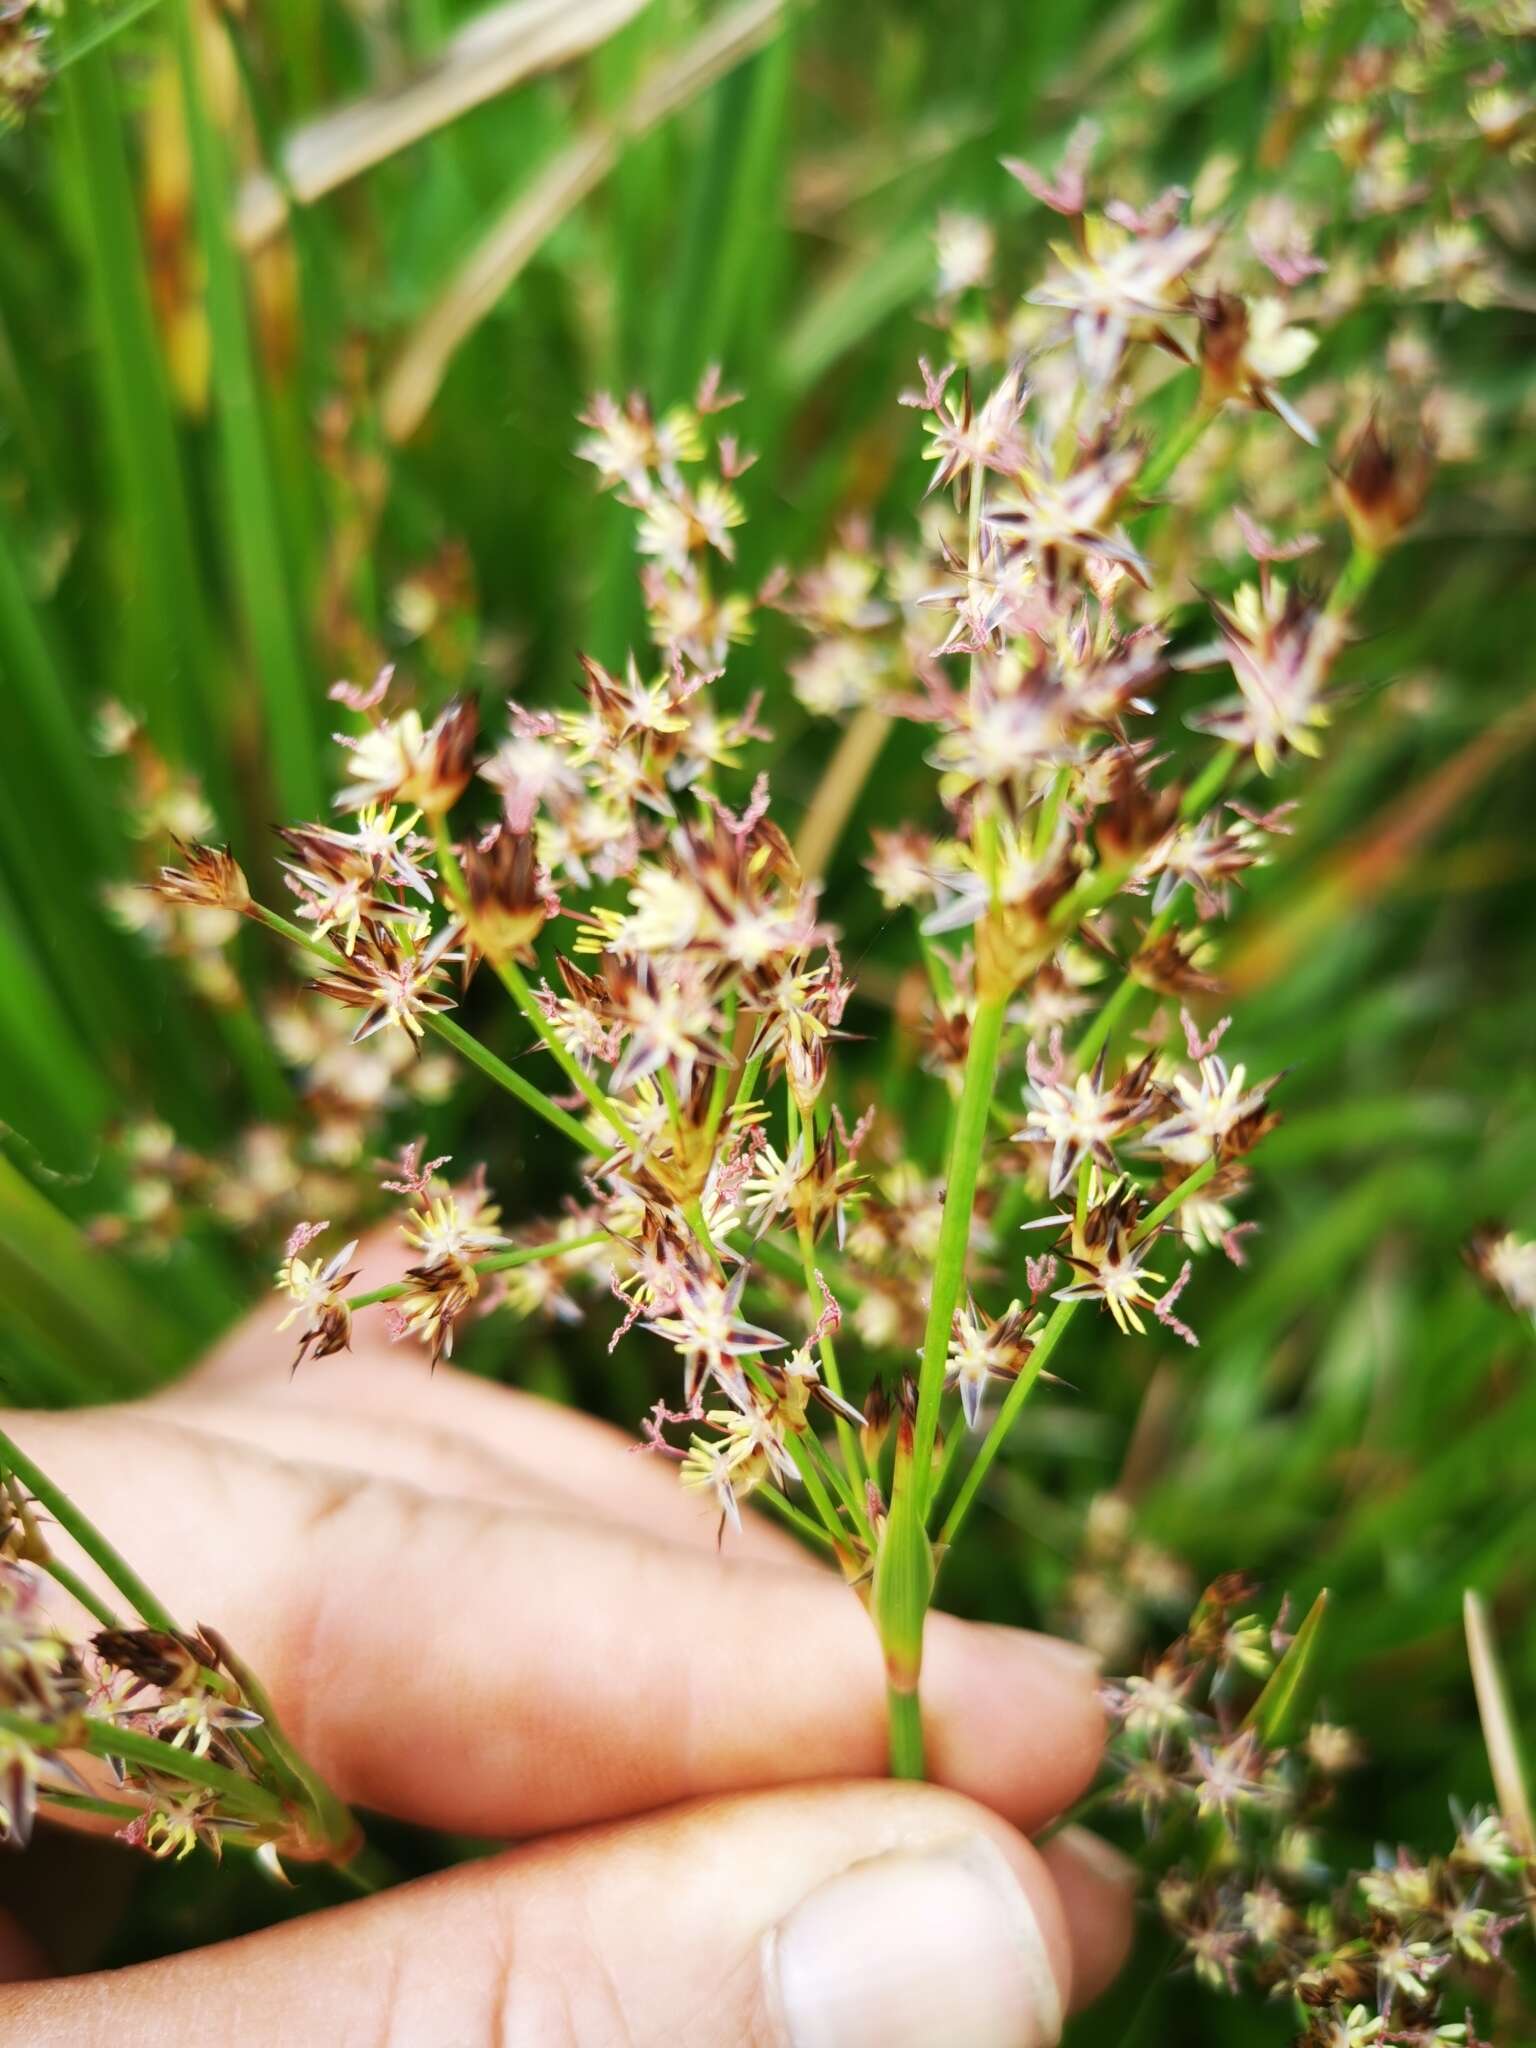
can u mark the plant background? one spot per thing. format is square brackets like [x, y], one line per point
[208, 511]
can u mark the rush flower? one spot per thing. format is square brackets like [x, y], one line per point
[403, 759]
[1382, 485]
[1246, 350]
[209, 878]
[705, 1325]
[1113, 1263]
[1216, 1110]
[748, 1450]
[390, 978]
[1506, 1264]
[983, 1347]
[510, 897]
[1082, 1119]
[317, 1288]
[1281, 648]
[435, 1298]
[1118, 284]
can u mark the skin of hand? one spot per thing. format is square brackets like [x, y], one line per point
[482, 1612]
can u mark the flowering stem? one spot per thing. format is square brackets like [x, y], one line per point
[110, 1560]
[451, 1034]
[1006, 1416]
[78, 1590]
[1096, 1037]
[804, 1464]
[498, 1262]
[1209, 783]
[900, 1596]
[842, 1485]
[1040, 1357]
[848, 1442]
[82, 1802]
[129, 1745]
[1200, 794]
[783, 1506]
[1175, 448]
[1354, 580]
[960, 1178]
[720, 1086]
[515, 982]
[506, 1077]
[904, 1565]
[1050, 809]
[368, 1871]
[1191, 1184]
[335, 1821]
[904, 1718]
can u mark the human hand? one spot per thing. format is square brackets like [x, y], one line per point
[478, 1611]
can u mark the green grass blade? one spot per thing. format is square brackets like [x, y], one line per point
[168, 667]
[1501, 1735]
[251, 501]
[1278, 1711]
[88, 1309]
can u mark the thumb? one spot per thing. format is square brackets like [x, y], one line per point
[825, 1917]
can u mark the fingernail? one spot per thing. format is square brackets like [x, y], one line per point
[1099, 1856]
[912, 1948]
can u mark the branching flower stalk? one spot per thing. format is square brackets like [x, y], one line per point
[665, 950]
[1217, 1752]
[185, 1726]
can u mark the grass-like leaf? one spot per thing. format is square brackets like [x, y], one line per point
[1278, 1711]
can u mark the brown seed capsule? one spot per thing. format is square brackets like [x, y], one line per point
[155, 1656]
[210, 878]
[877, 1420]
[509, 895]
[1223, 338]
[1382, 486]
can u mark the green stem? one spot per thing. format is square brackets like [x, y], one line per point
[848, 1443]
[904, 1718]
[1354, 580]
[1006, 1416]
[719, 1091]
[128, 1745]
[846, 1489]
[804, 1464]
[1191, 1184]
[103, 1554]
[78, 1590]
[1040, 1357]
[1201, 793]
[1175, 448]
[900, 1595]
[782, 1506]
[955, 1227]
[451, 1034]
[82, 1802]
[369, 1871]
[1209, 783]
[507, 1077]
[1050, 809]
[515, 982]
[498, 1262]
